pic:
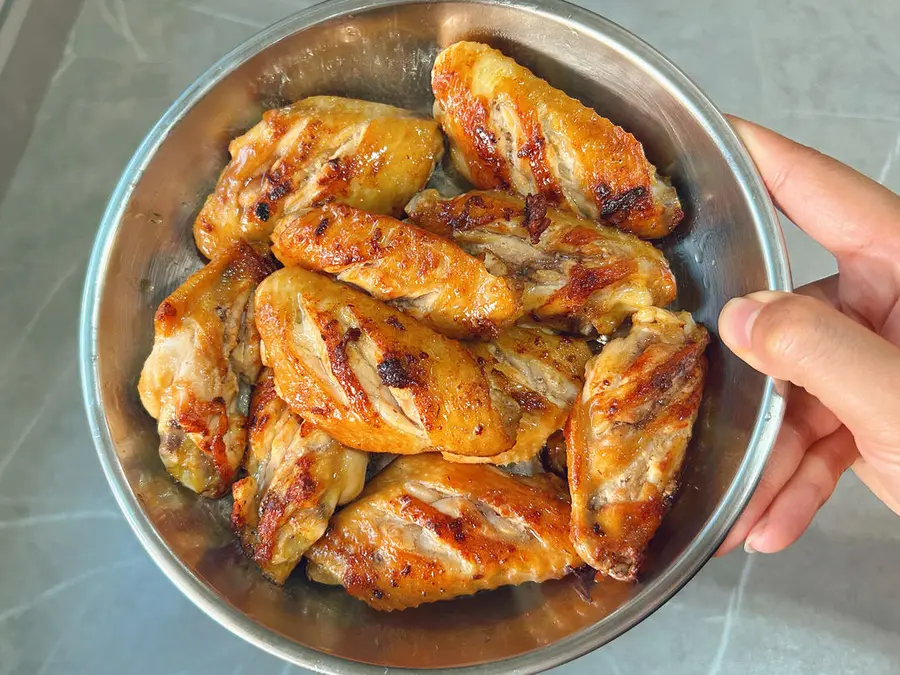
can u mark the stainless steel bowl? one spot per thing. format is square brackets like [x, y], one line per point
[729, 244]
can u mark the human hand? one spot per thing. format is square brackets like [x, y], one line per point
[837, 340]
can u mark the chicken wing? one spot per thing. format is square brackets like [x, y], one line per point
[423, 274]
[370, 155]
[197, 379]
[510, 129]
[542, 374]
[426, 530]
[370, 376]
[627, 435]
[297, 476]
[573, 273]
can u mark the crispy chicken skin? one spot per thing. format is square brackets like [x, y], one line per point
[541, 373]
[426, 530]
[370, 376]
[370, 155]
[205, 357]
[509, 129]
[297, 476]
[573, 273]
[421, 273]
[627, 435]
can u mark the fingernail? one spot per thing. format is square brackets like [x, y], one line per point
[755, 534]
[736, 322]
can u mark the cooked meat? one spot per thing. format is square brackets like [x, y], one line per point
[426, 530]
[573, 273]
[297, 476]
[541, 374]
[197, 379]
[370, 155]
[423, 274]
[370, 376]
[509, 129]
[627, 436]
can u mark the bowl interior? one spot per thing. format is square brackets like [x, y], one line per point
[384, 53]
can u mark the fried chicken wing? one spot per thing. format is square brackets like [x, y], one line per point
[627, 435]
[573, 273]
[370, 155]
[370, 376]
[297, 476]
[205, 357]
[426, 530]
[422, 274]
[510, 129]
[541, 373]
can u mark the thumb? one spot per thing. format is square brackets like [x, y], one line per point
[851, 370]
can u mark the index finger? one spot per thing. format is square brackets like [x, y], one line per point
[840, 208]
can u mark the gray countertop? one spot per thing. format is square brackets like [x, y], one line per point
[80, 87]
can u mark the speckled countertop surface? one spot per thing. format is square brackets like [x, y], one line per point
[80, 85]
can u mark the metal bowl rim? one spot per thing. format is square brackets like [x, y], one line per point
[654, 595]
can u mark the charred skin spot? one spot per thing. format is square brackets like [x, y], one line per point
[585, 281]
[610, 204]
[377, 593]
[479, 430]
[536, 220]
[336, 342]
[394, 373]
[278, 190]
[463, 219]
[262, 211]
[529, 400]
[481, 326]
[598, 530]
[321, 227]
[457, 528]
[394, 322]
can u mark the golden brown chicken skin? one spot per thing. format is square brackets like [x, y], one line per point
[509, 129]
[205, 355]
[541, 374]
[627, 435]
[370, 155]
[421, 273]
[426, 530]
[297, 476]
[572, 273]
[370, 376]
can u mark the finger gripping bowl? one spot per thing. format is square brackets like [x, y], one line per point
[729, 244]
